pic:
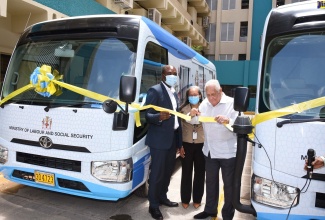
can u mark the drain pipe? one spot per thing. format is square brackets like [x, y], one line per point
[242, 127]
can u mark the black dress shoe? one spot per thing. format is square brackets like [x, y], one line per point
[155, 213]
[203, 215]
[169, 203]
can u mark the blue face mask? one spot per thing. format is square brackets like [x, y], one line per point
[171, 80]
[194, 99]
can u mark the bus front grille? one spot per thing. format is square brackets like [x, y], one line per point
[52, 162]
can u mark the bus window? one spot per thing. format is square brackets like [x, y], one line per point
[184, 82]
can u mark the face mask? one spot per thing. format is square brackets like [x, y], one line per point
[194, 99]
[171, 80]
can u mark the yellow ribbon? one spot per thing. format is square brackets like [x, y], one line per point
[102, 98]
[54, 87]
[296, 108]
[17, 92]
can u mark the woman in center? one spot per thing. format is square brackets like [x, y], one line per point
[191, 151]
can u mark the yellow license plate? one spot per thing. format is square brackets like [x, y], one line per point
[44, 178]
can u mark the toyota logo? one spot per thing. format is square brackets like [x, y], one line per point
[45, 142]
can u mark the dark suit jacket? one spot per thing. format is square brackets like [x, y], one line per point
[160, 134]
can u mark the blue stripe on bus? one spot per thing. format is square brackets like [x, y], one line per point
[152, 63]
[272, 216]
[96, 191]
[177, 48]
[138, 170]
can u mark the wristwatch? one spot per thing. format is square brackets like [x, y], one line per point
[323, 158]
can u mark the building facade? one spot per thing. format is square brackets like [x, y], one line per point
[227, 32]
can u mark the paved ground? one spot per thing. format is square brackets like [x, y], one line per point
[174, 194]
[23, 202]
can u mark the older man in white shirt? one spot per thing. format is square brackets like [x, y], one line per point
[219, 149]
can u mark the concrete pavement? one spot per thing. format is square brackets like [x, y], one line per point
[22, 202]
[181, 213]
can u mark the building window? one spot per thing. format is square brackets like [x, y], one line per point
[210, 57]
[244, 4]
[4, 61]
[210, 33]
[229, 90]
[228, 4]
[225, 57]
[243, 31]
[227, 32]
[279, 3]
[212, 4]
[241, 56]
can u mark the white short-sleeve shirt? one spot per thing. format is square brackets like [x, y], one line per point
[218, 140]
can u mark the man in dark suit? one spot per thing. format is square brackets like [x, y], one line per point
[164, 137]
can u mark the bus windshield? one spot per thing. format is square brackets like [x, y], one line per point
[294, 71]
[95, 65]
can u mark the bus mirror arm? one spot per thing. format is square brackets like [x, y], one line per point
[127, 93]
[121, 118]
[254, 143]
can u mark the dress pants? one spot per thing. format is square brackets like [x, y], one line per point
[162, 166]
[212, 167]
[194, 157]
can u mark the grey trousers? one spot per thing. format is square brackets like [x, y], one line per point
[212, 167]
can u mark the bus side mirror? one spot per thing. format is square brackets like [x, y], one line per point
[241, 99]
[128, 86]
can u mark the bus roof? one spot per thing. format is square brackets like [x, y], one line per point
[295, 17]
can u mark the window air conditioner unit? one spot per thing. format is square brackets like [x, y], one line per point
[137, 11]
[154, 15]
[124, 4]
[187, 40]
[205, 22]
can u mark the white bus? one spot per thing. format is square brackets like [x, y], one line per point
[289, 116]
[64, 141]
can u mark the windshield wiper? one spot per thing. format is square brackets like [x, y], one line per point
[6, 103]
[23, 102]
[79, 104]
[292, 121]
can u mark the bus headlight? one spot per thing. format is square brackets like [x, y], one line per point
[113, 170]
[3, 154]
[274, 194]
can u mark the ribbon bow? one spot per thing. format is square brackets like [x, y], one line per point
[42, 78]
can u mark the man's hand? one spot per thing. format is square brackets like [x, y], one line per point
[182, 152]
[221, 119]
[164, 116]
[317, 163]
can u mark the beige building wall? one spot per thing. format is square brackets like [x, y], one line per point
[235, 16]
[8, 38]
[16, 16]
[183, 18]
